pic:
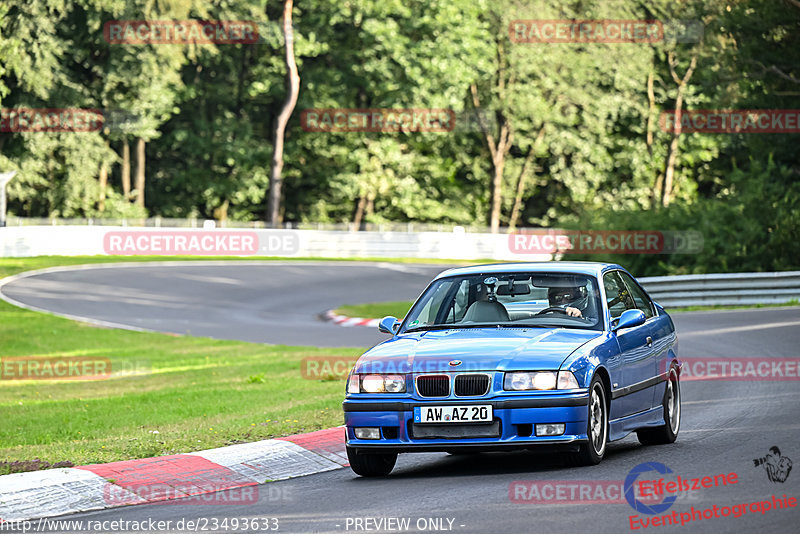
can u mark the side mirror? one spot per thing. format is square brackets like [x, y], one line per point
[629, 318]
[389, 325]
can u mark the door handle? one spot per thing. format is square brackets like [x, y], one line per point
[649, 341]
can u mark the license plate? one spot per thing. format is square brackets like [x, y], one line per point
[453, 414]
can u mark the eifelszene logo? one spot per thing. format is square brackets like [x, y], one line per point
[630, 495]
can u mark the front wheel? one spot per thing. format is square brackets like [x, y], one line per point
[592, 453]
[668, 432]
[371, 464]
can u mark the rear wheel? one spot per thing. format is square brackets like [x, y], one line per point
[668, 432]
[592, 453]
[371, 464]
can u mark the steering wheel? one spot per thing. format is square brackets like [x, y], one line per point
[552, 309]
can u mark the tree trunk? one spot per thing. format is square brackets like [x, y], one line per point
[669, 173]
[672, 154]
[275, 180]
[221, 211]
[359, 215]
[498, 150]
[512, 221]
[651, 107]
[126, 169]
[101, 201]
[140, 172]
[497, 193]
[370, 203]
[523, 173]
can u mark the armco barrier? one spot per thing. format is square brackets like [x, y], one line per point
[723, 289]
[25, 241]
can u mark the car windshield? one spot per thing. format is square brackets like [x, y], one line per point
[508, 299]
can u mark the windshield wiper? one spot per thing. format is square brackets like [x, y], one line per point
[455, 326]
[525, 325]
[566, 326]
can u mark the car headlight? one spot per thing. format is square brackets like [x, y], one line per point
[376, 384]
[539, 380]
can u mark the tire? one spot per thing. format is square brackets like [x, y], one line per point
[668, 432]
[592, 452]
[371, 464]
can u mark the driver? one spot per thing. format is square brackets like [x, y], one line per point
[573, 299]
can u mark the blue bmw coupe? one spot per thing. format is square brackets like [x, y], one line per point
[562, 355]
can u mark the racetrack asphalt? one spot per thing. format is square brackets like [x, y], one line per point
[725, 426]
[263, 302]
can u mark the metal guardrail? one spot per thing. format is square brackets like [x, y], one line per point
[723, 289]
[166, 222]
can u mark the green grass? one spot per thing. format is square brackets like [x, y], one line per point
[375, 310]
[194, 393]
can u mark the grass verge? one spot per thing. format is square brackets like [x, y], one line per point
[375, 310]
[190, 394]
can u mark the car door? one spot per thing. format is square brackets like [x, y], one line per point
[658, 328]
[635, 393]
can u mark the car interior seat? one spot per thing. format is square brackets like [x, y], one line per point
[485, 311]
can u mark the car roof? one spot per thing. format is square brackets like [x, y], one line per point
[590, 268]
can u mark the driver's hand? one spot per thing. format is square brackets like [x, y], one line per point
[573, 312]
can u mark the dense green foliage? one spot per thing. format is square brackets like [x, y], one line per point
[581, 114]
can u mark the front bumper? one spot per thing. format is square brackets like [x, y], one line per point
[513, 426]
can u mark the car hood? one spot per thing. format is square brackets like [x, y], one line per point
[478, 349]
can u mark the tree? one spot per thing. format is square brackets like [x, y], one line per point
[293, 86]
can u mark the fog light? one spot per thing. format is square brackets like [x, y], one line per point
[369, 432]
[550, 429]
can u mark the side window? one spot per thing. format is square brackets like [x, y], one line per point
[617, 296]
[641, 299]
